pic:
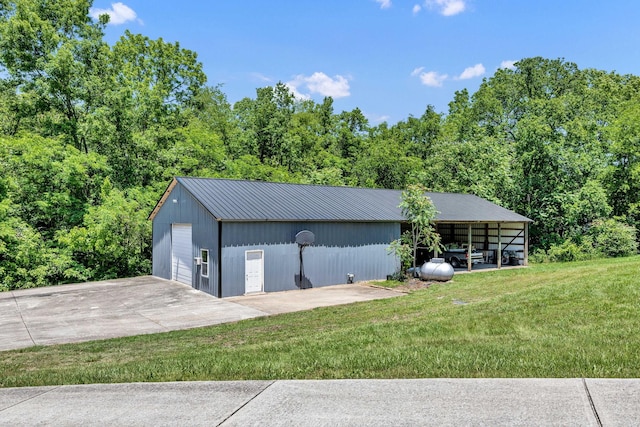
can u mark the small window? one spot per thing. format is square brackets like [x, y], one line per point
[204, 266]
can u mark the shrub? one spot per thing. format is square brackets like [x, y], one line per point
[613, 238]
[571, 250]
[604, 238]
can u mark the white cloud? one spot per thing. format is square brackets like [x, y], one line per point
[377, 118]
[416, 9]
[320, 83]
[447, 7]
[292, 85]
[471, 72]
[118, 14]
[508, 64]
[432, 79]
[384, 4]
[417, 71]
[259, 77]
[429, 78]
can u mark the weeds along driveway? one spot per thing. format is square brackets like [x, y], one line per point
[108, 309]
[145, 305]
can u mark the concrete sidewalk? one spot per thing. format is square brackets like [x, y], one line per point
[425, 402]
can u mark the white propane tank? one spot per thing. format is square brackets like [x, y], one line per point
[437, 270]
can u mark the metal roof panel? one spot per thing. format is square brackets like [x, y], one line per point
[241, 200]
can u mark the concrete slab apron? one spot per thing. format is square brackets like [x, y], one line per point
[13, 333]
[307, 299]
[116, 308]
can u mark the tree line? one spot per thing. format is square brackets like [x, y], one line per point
[91, 134]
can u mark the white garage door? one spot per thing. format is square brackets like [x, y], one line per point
[181, 253]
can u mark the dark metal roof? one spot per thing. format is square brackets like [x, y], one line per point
[455, 207]
[237, 200]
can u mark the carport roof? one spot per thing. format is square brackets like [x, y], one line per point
[240, 200]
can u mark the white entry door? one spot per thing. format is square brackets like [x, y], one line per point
[181, 253]
[253, 271]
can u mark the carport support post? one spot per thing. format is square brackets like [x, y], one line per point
[469, 263]
[499, 254]
[525, 261]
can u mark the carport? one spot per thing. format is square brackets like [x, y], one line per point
[473, 222]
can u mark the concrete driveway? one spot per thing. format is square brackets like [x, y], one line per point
[143, 305]
[307, 299]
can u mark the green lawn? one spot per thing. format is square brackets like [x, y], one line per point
[550, 320]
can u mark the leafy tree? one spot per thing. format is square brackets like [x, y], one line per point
[196, 151]
[383, 162]
[587, 205]
[113, 240]
[550, 117]
[265, 122]
[26, 259]
[153, 86]
[250, 167]
[482, 167]
[352, 127]
[420, 135]
[157, 80]
[54, 56]
[461, 123]
[420, 212]
[212, 109]
[53, 184]
[623, 172]
[401, 248]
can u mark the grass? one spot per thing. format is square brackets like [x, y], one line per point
[550, 320]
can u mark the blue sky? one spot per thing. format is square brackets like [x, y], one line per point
[390, 58]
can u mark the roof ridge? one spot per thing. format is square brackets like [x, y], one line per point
[284, 183]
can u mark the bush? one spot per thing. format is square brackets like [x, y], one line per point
[605, 238]
[569, 250]
[401, 248]
[613, 238]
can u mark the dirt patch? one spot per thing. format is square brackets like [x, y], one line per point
[415, 284]
[409, 285]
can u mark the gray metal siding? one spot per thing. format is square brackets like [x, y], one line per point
[339, 249]
[186, 210]
[161, 250]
